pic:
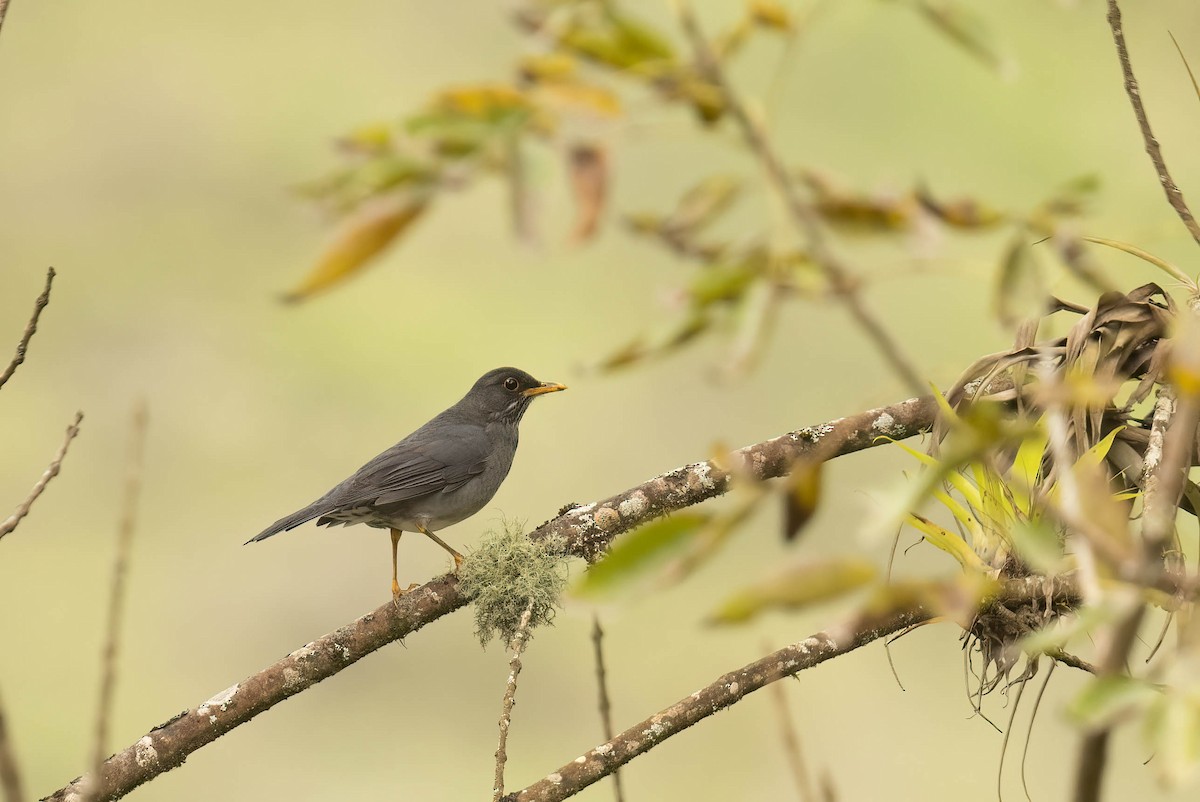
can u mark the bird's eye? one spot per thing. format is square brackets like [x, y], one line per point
[511, 384]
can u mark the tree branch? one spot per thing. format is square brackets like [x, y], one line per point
[3, 11]
[1172, 190]
[520, 640]
[116, 595]
[587, 530]
[603, 702]
[844, 284]
[10, 773]
[10, 523]
[38, 305]
[731, 688]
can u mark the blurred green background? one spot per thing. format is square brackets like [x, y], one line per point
[145, 152]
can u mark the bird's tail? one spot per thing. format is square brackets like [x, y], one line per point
[289, 522]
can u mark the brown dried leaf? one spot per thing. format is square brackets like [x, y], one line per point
[588, 167]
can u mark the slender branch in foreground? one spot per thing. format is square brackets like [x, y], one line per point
[843, 283]
[10, 774]
[604, 704]
[1174, 193]
[1169, 452]
[38, 305]
[10, 523]
[3, 11]
[731, 688]
[587, 531]
[791, 745]
[519, 640]
[116, 596]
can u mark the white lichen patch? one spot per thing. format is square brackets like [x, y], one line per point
[701, 474]
[635, 506]
[603, 749]
[291, 677]
[144, 752]
[345, 652]
[304, 652]
[221, 701]
[885, 424]
[654, 731]
[581, 759]
[733, 688]
[555, 778]
[813, 433]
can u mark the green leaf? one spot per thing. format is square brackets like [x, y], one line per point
[1039, 545]
[1084, 621]
[796, 588]
[1173, 730]
[1020, 292]
[639, 552]
[1103, 699]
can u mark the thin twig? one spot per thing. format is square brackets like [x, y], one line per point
[1174, 194]
[587, 530]
[116, 596]
[791, 745]
[604, 704]
[10, 523]
[38, 305]
[3, 11]
[844, 285]
[517, 646]
[10, 774]
[1068, 659]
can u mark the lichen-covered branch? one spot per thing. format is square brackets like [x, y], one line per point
[587, 531]
[1172, 190]
[731, 688]
[10, 523]
[38, 305]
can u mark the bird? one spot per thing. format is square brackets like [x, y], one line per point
[441, 474]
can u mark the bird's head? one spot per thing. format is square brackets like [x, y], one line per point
[504, 394]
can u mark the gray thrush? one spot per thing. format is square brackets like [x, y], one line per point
[441, 474]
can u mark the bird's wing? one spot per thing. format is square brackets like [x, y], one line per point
[418, 466]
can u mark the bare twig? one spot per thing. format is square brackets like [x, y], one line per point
[10, 774]
[38, 305]
[116, 597]
[844, 285]
[10, 523]
[1174, 194]
[587, 531]
[517, 646]
[791, 746]
[604, 704]
[3, 11]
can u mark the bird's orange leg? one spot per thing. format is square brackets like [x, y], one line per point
[458, 558]
[396, 591]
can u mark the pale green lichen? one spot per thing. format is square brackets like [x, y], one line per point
[505, 574]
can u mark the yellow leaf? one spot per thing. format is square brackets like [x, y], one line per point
[576, 96]
[360, 239]
[796, 588]
[770, 14]
[947, 541]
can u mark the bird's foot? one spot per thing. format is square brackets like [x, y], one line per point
[458, 561]
[397, 592]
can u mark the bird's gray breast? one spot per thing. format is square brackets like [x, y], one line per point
[459, 499]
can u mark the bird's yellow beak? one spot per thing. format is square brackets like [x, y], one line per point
[543, 388]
